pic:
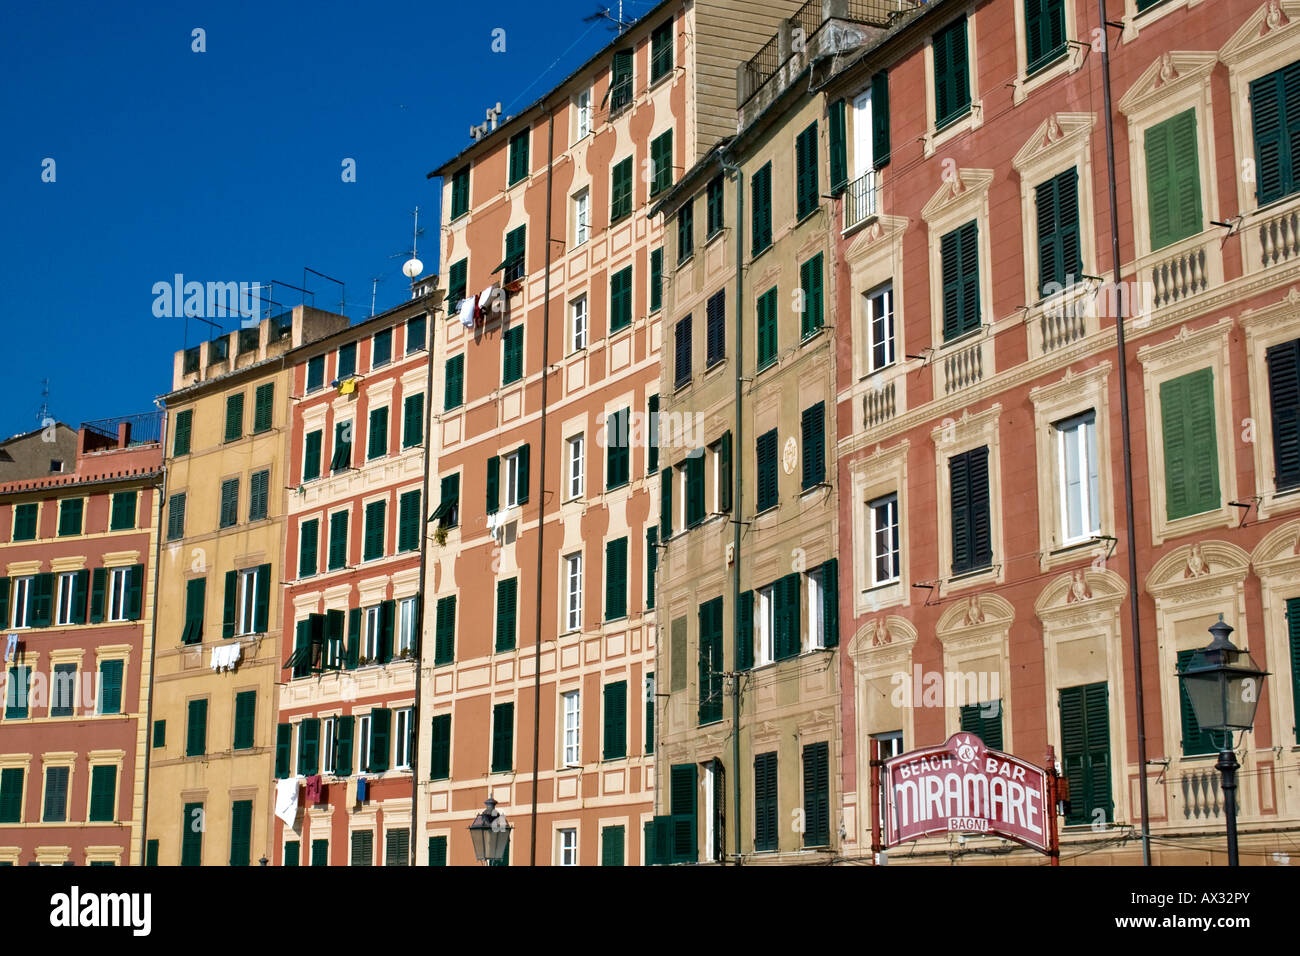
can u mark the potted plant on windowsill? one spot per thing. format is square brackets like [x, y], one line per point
[363, 661]
[440, 534]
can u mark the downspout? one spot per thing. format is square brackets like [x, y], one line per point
[541, 487]
[736, 486]
[431, 332]
[1126, 432]
[153, 646]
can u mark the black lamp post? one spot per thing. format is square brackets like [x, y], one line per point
[490, 833]
[1223, 685]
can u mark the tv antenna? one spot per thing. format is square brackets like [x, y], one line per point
[374, 285]
[44, 413]
[619, 24]
[412, 267]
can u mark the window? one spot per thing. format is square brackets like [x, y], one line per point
[176, 517]
[507, 613]
[816, 794]
[413, 420]
[611, 846]
[371, 635]
[120, 586]
[234, 416]
[661, 51]
[409, 520]
[761, 224]
[415, 334]
[518, 157]
[685, 231]
[263, 407]
[823, 607]
[229, 503]
[656, 279]
[814, 445]
[984, 720]
[512, 362]
[454, 389]
[572, 728]
[883, 517]
[972, 543]
[951, 74]
[837, 145]
[618, 452]
[616, 579]
[376, 513]
[682, 352]
[381, 725]
[25, 522]
[615, 736]
[1057, 203]
[258, 492]
[253, 595]
[620, 81]
[1077, 471]
[517, 477]
[1173, 180]
[184, 427]
[196, 728]
[810, 283]
[715, 333]
[652, 425]
[1044, 34]
[576, 467]
[23, 590]
[568, 847]
[192, 835]
[578, 323]
[103, 794]
[581, 217]
[11, 794]
[397, 846]
[573, 592]
[447, 514]
[315, 374]
[381, 348]
[440, 748]
[457, 282]
[959, 252]
[407, 624]
[583, 108]
[649, 713]
[620, 191]
[18, 693]
[377, 433]
[311, 449]
[714, 211]
[1085, 752]
[661, 162]
[766, 812]
[70, 515]
[402, 754]
[512, 267]
[342, 457]
[363, 743]
[71, 602]
[1275, 117]
[63, 690]
[363, 848]
[444, 635]
[620, 300]
[56, 795]
[766, 331]
[503, 737]
[1283, 362]
[338, 544]
[1187, 418]
[246, 720]
[880, 328]
[460, 193]
[807, 196]
[308, 538]
[712, 665]
[767, 478]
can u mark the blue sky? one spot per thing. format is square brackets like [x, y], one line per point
[226, 165]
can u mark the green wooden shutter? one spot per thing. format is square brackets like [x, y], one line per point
[512, 366]
[440, 747]
[1057, 202]
[656, 279]
[159, 733]
[309, 746]
[683, 835]
[387, 617]
[353, 653]
[263, 402]
[615, 737]
[234, 416]
[412, 420]
[880, 139]
[816, 794]
[377, 433]
[661, 159]
[650, 714]
[283, 749]
[363, 848]
[454, 388]
[493, 484]
[228, 606]
[1293, 634]
[123, 518]
[611, 846]
[766, 833]
[1044, 33]
[694, 491]
[196, 728]
[724, 472]
[1173, 180]
[192, 835]
[338, 544]
[184, 425]
[460, 193]
[521, 496]
[814, 445]
[345, 732]
[397, 846]
[1085, 751]
[810, 281]
[620, 80]
[151, 853]
[711, 662]
[971, 520]
[767, 478]
[134, 592]
[959, 253]
[745, 632]
[1284, 399]
[11, 795]
[616, 579]
[408, 521]
[444, 646]
[666, 504]
[1195, 741]
[652, 428]
[311, 456]
[839, 158]
[761, 196]
[807, 197]
[507, 613]
[788, 605]
[518, 157]
[80, 597]
[620, 203]
[381, 722]
[651, 565]
[1190, 444]
[457, 282]
[262, 600]
[831, 603]
[103, 794]
[291, 851]
[986, 726]
[110, 687]
[241, 833]
[766, 335]
[374, 534]
[503, 737]
[308, 534]
[437, 851]
[951, 74]
[620, 299]
[1275, 118]
[245, 719]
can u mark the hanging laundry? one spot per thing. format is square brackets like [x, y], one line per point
[361, 789]
[11, 647]
[347, 386]
[467, 307]
[286, 800]
[313, 789]
[225, 658]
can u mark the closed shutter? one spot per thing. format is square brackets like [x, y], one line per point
[656, 279]
[381, 721]
[151, 853]
[814, 445]
[805, 183]
[345, 732]
[767, 477]
[184, 423]
[959, 254]
[1173, 180]
[454, 388]
[839, 159]
[1190, 444]
[437, 851]
[766, 833]
[611, 846]
[375, 513]
[1085, 752]
[518, 157]
[1284, 397]
[110, 687]
[283, 749]
[503, 737]
[711, 662]
[810, 281]
[292, 849]
[363, 848]
[320, 852]
[1275, 118]
[103, 794]
[620, 299]
[196, 728]
[984, 720]
[241, 832]
[192, 835]
[1195, 741]
[493, 484]
[507, 613]
[831, 603]
[377, 433]
[951, 74]
[715, 332]
[408, 521]
[683, 786]
[682, 352]
[616, 579]
[1044, 33]
[338, 547]
[460, 193]
[245, 719]
[412, 420]
[1057, 202]
[724, 472]
[11, 794]
[457, 282]
[512, 366]
[308, 533]
[311, 456]
[618, 454]
[765, 335]
[971, 527]
[816, 794]
[685, 231]
[234, 416]
[440, 747]
[761, 194]
[621, 191]
[263, 402]
[397, 847]
[444, 645]
[159, 733]
[652, 426]
[56, 795]
[1293, 635]
[661, 158]
[123, 511]
[615, 738]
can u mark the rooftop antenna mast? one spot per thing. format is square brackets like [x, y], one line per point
[603, 14]
[374, 284]
[45, 401]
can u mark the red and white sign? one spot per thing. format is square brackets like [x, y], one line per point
[963, 787]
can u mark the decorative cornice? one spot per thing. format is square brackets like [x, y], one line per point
[1082, 590]
[882, 640]
[1204, 565]
[1262, 28]
[1173, 69]
[1059, 133]
[967, 186]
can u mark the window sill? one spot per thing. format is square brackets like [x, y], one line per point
[937, 135]
[756, 253]
[708, 240]
[800, 220]
[687, 259]
[768, 510]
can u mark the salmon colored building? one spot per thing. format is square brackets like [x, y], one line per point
[354, 534]
[78, 551]
[986, 583]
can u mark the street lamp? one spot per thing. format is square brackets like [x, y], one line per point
[1223, 685]
[490, 833]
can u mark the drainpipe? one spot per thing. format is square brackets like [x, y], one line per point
[541, 486]
[161, 488]
[1126, 432]
[416, 716]
[736, 486]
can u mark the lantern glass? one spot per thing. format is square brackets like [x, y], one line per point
[1205, 694]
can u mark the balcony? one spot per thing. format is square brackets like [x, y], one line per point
[1272, 236]
[1061, 320]
[879, 405]
[861, 200]
[1176, 273]
[963, 364]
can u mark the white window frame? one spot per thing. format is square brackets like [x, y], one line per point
[363, 743]
[1084, 432]
[22, 597]
[67, 585]
[882, 293]
[706, 784]
[581, 202]
[766, 625]
[816, 630]
[328, 733]
[370, 632]
[568, 843]
[246, 608]
[402, 739]
[512, 479]
[119, 580]
[572, 741]
[891, 739]
[577, 465]
[715, 456]
[874, 531]
[573, 591]
[582, 114]
[579, 324]
[406, 624]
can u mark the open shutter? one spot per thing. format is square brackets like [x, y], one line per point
[343, 742]
[283, 748]
[98, 594]
[724, 472]
[880, 142]
[959, 479]
[309, 746]
[666, 504]
[523, 476]
[387, 612]
[493, 484]
[651, 565]
[262, 600]
[831, 603]
[134, 591]
[353, 652]
[228, 611]
[683, 785]
[839, 158]
[80, 594]
[745, 632]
